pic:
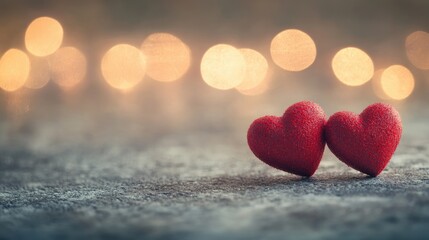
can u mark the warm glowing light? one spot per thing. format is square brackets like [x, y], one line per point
[223, 67]
[168, 58]
[123, 66]
[376, 85]
[14, 69]
[293, 50]
[397, 82]
[43, 36]
[39, 73]
[417, 46]
[68, 67]
[261, 88]
[352, 66]
[256, 69]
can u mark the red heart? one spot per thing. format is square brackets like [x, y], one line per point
[365, 142]
[294, 142]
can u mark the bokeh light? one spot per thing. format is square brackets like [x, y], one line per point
[168, 58]
[256, 69]
[68, 67]
[223, 67]
[39, 74]
[376, 85]
[261, 88]
[352, 66]
[293, 50]
[397, 82]
[417, 47]
[14, 69]
[123, 66]
[43, 36]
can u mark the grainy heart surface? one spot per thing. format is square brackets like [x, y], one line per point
[294, 142]
[365, 142]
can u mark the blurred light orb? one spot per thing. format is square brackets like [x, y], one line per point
[68, 67]
[293, 50]
[123, 66]
[256, 69]
[397, 82]
[261, 88]
[39, 73]
[376, 85]
[168, 58]
[417, 47]
[14, 69]
[352, 66]
[44, 36]
[223, 67]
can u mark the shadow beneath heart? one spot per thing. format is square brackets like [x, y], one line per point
[288, 179]
[320, 184]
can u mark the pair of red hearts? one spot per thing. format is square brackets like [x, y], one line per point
[295, 142]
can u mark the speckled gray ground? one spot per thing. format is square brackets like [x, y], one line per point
[201, 184]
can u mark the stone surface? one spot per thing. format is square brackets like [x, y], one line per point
[198, 185]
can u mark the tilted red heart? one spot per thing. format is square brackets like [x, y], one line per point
[365, 142]
[294, 142]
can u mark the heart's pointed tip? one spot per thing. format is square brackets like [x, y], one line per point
[373, 174]
[303, 174]
[306, 176]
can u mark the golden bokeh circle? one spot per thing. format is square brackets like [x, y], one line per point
[397, 82]
[68, 67]
[44, 36]
[123, 66]
[376, 85]
[223, 67]
[14, 69]
[261, 88]
[417, 48]
[256, 69]
[168, 58]
[352, 66]
[293, 50]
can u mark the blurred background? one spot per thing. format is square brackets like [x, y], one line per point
[135, 71]
[129, 118]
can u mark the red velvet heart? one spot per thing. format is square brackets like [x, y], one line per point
[294, 142]
[365, 142]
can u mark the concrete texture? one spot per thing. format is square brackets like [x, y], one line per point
[201, 185]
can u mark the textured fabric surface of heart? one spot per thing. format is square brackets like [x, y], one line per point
[294, 142]
[365, 142]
